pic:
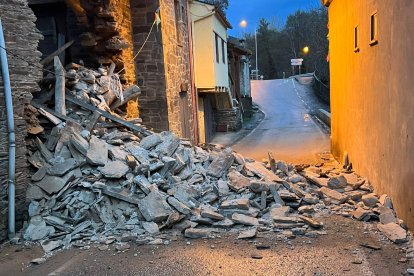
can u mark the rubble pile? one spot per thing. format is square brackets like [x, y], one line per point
[111, 186]
[92, 98]
[100, 178]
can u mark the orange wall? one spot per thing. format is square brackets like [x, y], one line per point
[372, 95]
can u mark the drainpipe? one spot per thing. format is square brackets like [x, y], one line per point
[192, 73]
[10, 127]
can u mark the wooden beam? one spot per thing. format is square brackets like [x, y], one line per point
[60, 104]
[61, 42]
[51, 111]
[129, 94]
[50, 57]
[95, 117]
[109, 116]
[55, 120]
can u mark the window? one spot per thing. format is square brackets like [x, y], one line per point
[374, 29]
[223, 50]
[356, 39]
[217, 48]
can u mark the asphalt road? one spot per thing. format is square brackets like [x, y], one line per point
[288, 130]
[337, 253]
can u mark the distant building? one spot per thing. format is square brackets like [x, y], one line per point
[239, 71]
[211, 70]
[372, 94]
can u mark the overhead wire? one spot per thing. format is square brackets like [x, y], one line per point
[145, 41]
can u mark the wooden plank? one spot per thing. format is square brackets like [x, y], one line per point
[61, 42]
[51, 111]
[50, 57]
[92, 123]
[129, 94]
[109, 116]
[60, 104]
[49, 116]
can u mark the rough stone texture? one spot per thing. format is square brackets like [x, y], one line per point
[237, 181]
[163, 66]
[114, 169]
[21, 38]
[154, 208]
[98, 152]
[194, 233]
[394, 232]
[334, 195]
[245, 220]
[228, 119]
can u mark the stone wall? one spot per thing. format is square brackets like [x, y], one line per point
[177, 70]
[247, 107]
[163, 66]
[22, 39]
[228, 119]
[149, 65]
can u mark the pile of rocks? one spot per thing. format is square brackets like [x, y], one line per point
[108, 186]
[100, 178]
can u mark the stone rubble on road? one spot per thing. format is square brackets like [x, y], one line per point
[106, 184]
[193, 191]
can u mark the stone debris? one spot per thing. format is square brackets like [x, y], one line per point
[98, 181]
[394, 232]
[38, 261]
[247, 234]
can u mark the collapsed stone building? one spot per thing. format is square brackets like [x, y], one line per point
[121, 179]
[98, 33]
[114, 31]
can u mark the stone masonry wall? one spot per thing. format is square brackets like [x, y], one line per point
[177, 66]
[228, 119]
[163, 66]
[149, 65]
[21, 38]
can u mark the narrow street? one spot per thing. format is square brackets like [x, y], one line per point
[287, 130]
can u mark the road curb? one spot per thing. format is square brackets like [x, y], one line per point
[324, 116]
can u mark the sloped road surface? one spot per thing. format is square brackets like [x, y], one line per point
[288, 129]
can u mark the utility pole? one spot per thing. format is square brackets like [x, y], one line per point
[255, 42]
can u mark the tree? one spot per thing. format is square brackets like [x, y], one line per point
[220, 4]
[276, 46]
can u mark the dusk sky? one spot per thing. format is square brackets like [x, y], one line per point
[273, 10]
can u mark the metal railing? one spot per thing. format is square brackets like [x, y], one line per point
[321, 89]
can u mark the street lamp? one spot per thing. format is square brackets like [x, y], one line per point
[305, 50]
[243, 24]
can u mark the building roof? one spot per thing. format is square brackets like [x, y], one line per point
[236, 43]
[220, 14]
[326, 3]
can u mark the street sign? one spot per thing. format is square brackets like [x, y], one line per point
[296, 61]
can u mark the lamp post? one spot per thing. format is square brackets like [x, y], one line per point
[243, 24]
[305, 51]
